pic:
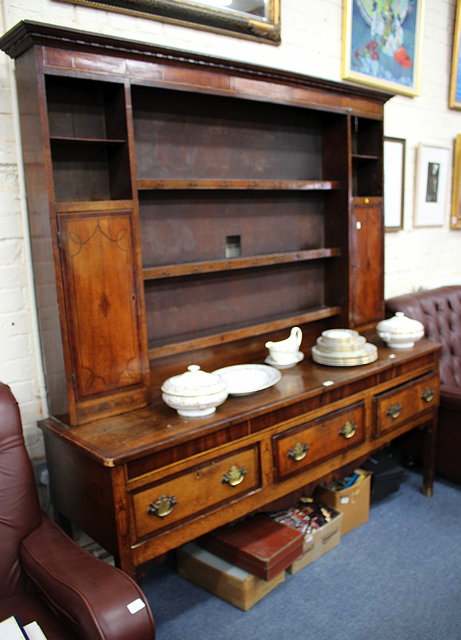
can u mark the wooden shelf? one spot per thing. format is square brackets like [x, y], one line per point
[100, 141]
[94, 205]
[222, 335]
[210, 266]
[363, 156]
[282, 185]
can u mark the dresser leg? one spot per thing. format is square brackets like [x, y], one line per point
[428, 455]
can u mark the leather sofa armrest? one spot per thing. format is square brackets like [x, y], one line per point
[90, 596]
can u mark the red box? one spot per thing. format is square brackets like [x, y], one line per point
[258, 544]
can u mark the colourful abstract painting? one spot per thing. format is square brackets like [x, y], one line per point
[382, 43]
[455, 82]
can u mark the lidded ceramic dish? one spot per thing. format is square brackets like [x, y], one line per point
[194, 393]
[400, 332]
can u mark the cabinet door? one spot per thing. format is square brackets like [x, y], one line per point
[366, 262]
[102, 328]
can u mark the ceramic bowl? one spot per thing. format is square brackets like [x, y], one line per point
[400, 332]
[344, 340]
[194, 393]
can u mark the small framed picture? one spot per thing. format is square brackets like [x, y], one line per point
[431, 186]
[455, 219]
[394, 183]
[382, 43]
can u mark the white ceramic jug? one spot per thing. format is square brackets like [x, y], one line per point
[286, 351]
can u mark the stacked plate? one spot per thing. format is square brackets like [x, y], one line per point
[343, 348]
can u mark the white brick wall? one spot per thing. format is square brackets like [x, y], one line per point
[311, 44]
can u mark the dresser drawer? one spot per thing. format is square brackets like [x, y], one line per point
[401, 404]
[311, 442]
[195, 490]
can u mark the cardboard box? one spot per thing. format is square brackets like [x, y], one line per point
[258, 544]
[231, 583]
[319, 542]
[353, 502]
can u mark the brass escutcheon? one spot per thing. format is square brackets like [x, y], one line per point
[298, 452]
[428, 394]
[348, 430]
[162, 506]
[234, 476]
[394, 410]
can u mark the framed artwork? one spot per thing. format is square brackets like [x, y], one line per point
[455, 219]
[394, 183]
[455, 82]
[382, 43]
[431, 186]
[255, 19]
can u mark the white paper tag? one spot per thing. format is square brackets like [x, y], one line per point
[135, 606]
[344, 500]
[34, 632]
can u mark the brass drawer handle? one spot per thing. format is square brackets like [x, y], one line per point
[428, 394]
[162, 507]
[298, 452]
[394, 410]
[234, 476]
[348, 430]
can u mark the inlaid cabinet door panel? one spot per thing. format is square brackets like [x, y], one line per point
[100, 297]
[367, 259]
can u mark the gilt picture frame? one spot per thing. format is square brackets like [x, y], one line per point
[455, 218]
[455, 80]
[431, 186]
[394, 183]
[257, 20]
[382, 44]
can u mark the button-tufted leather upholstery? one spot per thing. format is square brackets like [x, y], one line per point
[440, 312]
[47, 577]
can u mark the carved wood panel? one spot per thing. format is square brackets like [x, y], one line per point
[100, 298]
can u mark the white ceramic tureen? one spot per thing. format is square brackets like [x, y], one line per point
[194, 393]
[400, 332]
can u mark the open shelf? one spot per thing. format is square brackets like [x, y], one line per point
[236, 333]
[294, 185]
[209, 266]
[90, 169]
[208, 137]
[366, 140]
[88, 139]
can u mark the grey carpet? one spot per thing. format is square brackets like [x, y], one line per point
[397, 577]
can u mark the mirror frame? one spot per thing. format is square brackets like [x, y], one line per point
[192, 14]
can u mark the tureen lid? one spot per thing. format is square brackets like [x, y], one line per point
[194, 382]
[400, 323]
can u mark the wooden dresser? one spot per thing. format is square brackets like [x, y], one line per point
[186, 209]
[148, 481]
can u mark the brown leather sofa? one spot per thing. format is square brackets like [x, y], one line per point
[440, 312]
[46, 576]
